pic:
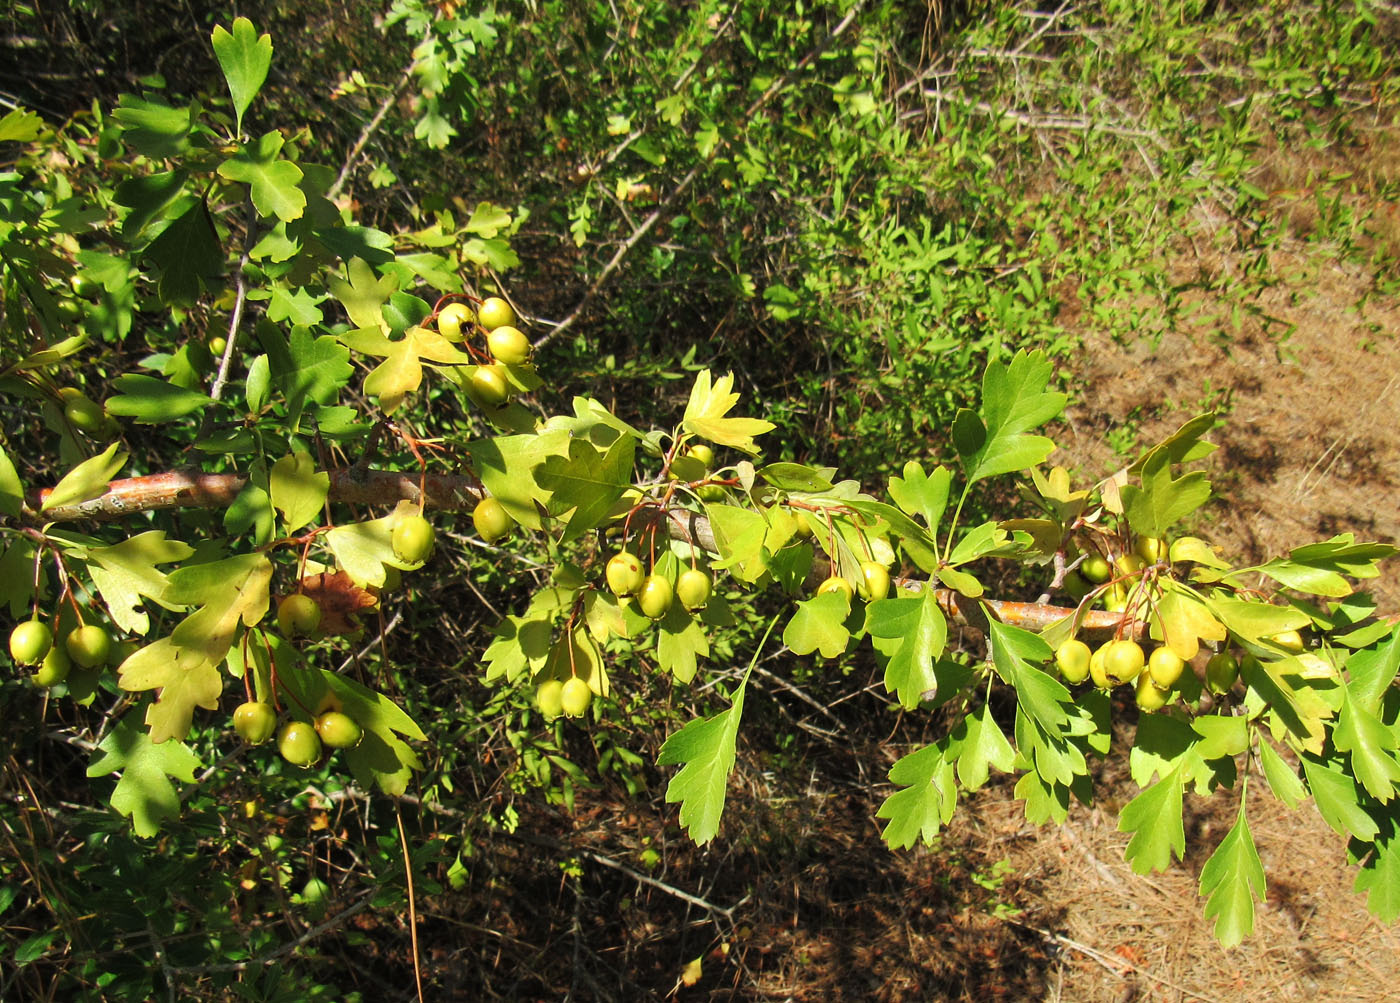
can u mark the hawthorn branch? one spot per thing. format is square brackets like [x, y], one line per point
[457, 492]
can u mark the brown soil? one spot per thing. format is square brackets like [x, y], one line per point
[1311, 444]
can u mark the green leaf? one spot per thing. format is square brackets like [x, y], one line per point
[1379, 877]
[20, 126]
[126, 571]
[1159, 746]
[349, 242]
[298, 491]
[495, 254]
[188, 254]
[982, 747]
[152, 128]
[87, 480]
[920, 631]
[1298, 705]
[1232, 879]
[1016, 653]
[923, 495]
[150, 401]
[487, 220]
[11, 487]
[1371, 672]
[1337, 800]
[1154, 818]
[706, 410]
[680, 643]
[297, 307]
[364, 295]
[274, 184]
[1372, 746]
[1014, 401]
[244, 56]
[739, 534]
[1318, 568]
[926, 803]
[819, 625]
[1283, 781]
[706, 747]
[522, 644]
[506, 464]
[306, 367]
[1254, 620]
[1162, 501]
[587, 482]
[144, 792]
[363, 549]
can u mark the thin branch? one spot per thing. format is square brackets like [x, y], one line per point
[449, 492]
[372, 126]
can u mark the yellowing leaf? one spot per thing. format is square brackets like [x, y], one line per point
[364, 295]
[705, 414]
[1181, 619]
[126, 571]
[87, 480]
[690, 974]
[297, 490]
[185, 678]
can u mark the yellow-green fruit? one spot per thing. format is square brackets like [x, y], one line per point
[1129, 564]
[1150, 696]
[298, 743]
[452, 319]
[1165, 667]
[338, 730]
[298, 615]
[1122, 661]
[254, 721]
[1288, 640]
[836, 584]
[84, 415]
[30, 642]
[549, 695]
[1076, 586]
[1072, 659]
[1115, 600]
[575, 696]
[875, 580]
[413, 538]
[711, 492]
[1221, 672]
[624, 573]
[509, 345]
[1151, 549]
[491, 519]
[1096, 569]
[655, 596]
[54, 668]
[804, 527]
[693, 588]
[89, 646]
[703, 454]
[488, 384]
[217, 345]
[495, 312]
[1096, 668]
[314, 894]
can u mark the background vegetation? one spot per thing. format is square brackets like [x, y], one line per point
[854, 207]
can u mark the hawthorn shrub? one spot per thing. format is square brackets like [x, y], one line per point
[243, 428]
